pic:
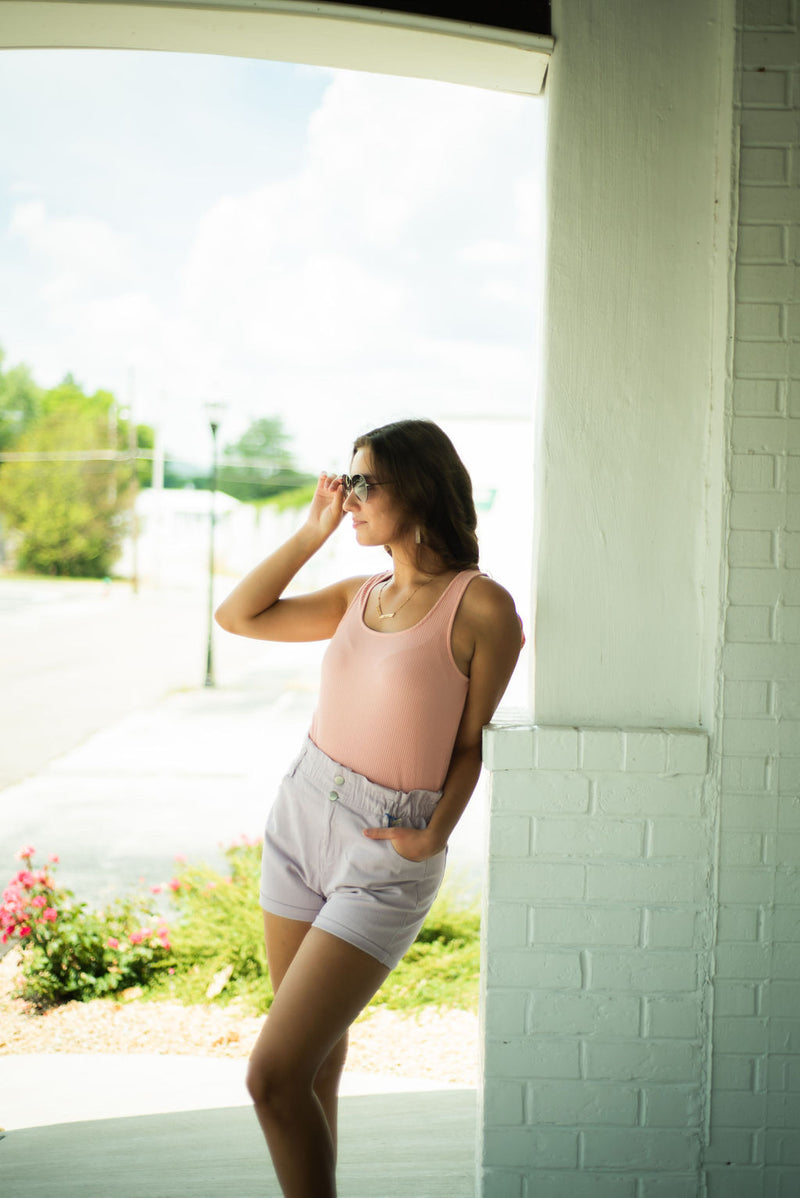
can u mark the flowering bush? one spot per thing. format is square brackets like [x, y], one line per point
[70, 952]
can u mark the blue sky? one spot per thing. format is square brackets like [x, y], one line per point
[334, 247]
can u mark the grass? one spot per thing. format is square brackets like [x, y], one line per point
[218, 950]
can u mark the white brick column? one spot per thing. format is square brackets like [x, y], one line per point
[598, 930]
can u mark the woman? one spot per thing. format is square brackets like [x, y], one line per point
[356, 840]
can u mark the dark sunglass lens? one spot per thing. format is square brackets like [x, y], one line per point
[361, 487]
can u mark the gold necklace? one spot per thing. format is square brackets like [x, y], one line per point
[387, 615]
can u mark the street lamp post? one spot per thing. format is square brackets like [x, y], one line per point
[213, 422]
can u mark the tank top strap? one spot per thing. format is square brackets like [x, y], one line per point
[444, 612]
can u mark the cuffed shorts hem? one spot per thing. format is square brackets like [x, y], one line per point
[334, 928]
[287, 911]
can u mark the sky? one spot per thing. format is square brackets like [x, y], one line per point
[333, 247]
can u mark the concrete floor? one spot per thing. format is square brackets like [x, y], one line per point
[408, 1145]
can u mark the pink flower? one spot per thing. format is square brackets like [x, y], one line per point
[50, 913]
[156, 889]
[170, 970]
[38, 900]
[26, 878]
[113, 942]
[25, 930]
[54, 858]
[25, 852]
[174, 884]
[179, 857]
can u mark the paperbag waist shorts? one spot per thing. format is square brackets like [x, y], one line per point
[319, 867]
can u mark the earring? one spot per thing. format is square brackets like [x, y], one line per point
[417, 536]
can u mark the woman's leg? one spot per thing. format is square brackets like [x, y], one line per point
[283, 938]
[325, 986]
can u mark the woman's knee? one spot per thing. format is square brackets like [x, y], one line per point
[270, 1080]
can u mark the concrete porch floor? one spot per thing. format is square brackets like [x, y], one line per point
[129, 1127]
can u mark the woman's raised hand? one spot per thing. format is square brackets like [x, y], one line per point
[326, 511]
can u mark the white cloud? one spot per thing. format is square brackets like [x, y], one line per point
[391, 274]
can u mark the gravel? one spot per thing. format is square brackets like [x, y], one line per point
[435, 1043]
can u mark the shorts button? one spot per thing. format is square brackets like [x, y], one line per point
[333, 796]
[339, 780]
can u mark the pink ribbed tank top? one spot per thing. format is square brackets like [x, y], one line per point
[390, 702]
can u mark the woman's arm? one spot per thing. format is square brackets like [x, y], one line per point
[493, 624]
[255, 609]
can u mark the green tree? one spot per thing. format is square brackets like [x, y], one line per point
[260, 463]
[68, 514]
[20, 402]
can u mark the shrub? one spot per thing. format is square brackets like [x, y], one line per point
[70, 952]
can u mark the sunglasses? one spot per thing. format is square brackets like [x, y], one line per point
[358, 486]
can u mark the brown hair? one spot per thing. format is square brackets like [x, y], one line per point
[432, 487]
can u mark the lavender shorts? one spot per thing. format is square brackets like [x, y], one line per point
[319, 867]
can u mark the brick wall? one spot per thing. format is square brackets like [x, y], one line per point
[755, 1098]
[598, 933]
[641, 990]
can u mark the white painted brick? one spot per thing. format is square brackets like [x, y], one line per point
[540, 793]
[583, 1184]
[737, 923]
[641, 1148]
[687, 753]
[753, 472]
[729, 1147]
[764, 283]
[668, 1185]
[678, 838]
[645, 752]
[535, 967]
[735, 998]
[646, 795]
[557, 748]
[784, 1031]
[747, 1034]
[740, 884]
[731, 1108]
[507, 748]
[756, 397]
[735, 1182]
[674, 929]
[747, 738]
[793, 512]
[762, 359]
[764, 164]
[672, 1018]
[523, 1056]
[503, 1183]
[789, 776]
[646, 883]
[758, 322]
[732, 1072]
[643, 971]
[793, 473]
[791, 550]
[787, 885]
[761, 586]
[531, 880]
[787, 700]
[749, 810]
[565, 1013]
[788, 808]
[506, 925]
[582, 1103]
[768, 88]
[534, 1147]
[503, 1103]
[789, 625]
[504, 1011]
[761, 14]
[752, 510]
[768, 204]
[786, 926]
[643, 1061]
[671, 1106]
[743, 698]
[756, 435]
[746, 775]
[589, 836]
[509, 836]
[585, 926]
[748, 624]
[741, 848]
[769, 49]
[602, 749]
[754, 549]
[785, 961]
